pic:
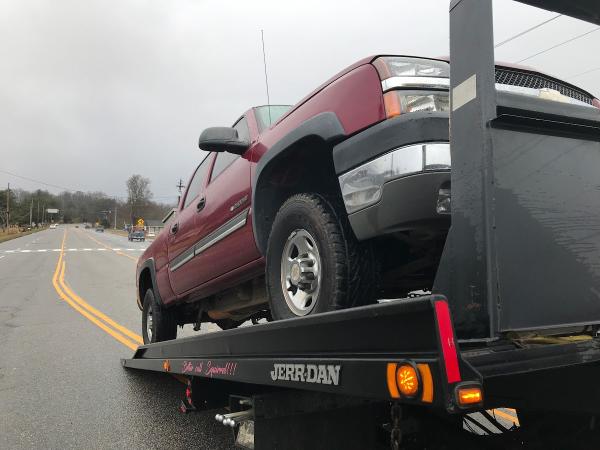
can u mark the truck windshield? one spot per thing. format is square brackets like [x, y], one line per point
[269, 114]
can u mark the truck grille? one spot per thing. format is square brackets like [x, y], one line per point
[534, 81]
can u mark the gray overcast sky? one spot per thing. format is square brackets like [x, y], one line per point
[94, 91]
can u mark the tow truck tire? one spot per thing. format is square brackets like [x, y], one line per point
[158, 324]
[311, 240]
[228, 324]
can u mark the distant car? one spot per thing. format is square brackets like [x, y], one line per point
[52, 226]
[76, 226]
[87, 226]
[100, 229]
[136, 235]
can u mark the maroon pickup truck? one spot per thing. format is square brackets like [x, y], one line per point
[333, 203]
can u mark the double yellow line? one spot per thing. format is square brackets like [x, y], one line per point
[117, 331]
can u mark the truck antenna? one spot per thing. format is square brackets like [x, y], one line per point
[262, 36]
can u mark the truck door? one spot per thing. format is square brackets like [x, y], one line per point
[183, 233]
[227, 241]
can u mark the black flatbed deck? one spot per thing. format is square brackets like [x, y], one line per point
[349, 352]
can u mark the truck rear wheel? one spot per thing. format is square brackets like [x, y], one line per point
[158, 324]
[314, 262]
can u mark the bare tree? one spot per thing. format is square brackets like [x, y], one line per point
[139, 194]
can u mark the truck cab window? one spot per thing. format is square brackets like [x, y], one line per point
[223, 161]
[242, 128]
[197, 181]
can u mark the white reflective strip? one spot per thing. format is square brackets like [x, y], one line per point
[464, 92]
[116, 249]
[9, 251]
[42, 250]
[71, 249]
[101, 249]
[56, 249]
[25, 251]
[87, 249]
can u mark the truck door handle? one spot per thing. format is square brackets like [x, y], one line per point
[175, 228]
[200, 205]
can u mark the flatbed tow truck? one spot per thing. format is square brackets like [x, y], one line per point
[512, 320]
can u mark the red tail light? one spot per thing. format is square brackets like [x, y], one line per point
[188, 394]
[448, 344]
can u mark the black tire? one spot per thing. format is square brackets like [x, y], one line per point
[164, 326]
[348, 269]
[228, 324]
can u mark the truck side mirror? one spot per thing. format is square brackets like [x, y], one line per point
[222, 139]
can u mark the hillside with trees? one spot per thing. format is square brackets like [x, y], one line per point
[76, 207]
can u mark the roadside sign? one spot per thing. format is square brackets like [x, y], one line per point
[52, 211]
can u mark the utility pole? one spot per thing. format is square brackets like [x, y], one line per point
[179, 186]
[37, 219]
[31, 213]
[115, 213]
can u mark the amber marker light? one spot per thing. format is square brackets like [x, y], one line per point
[468, 396]
[408, 380]
[166, 365]
[392, 104]
[427, 382]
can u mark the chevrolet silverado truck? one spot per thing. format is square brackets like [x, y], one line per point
[335, 202]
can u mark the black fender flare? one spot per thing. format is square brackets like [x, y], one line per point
[324, 126]
[148, 264]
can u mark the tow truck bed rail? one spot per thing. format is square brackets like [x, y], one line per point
[311, 378]
[350, 352]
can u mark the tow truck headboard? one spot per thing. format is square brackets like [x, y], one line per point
[523, 251]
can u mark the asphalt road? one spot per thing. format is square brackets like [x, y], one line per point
[61, 382]
[67, 316]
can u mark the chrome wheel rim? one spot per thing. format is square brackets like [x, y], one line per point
[300, 272]
[149, 324]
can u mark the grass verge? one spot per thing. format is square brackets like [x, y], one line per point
[9, 236]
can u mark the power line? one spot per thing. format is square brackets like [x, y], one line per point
[43, 183]
[37, 181]
[582, 73]
[526, 31]
[559, 45]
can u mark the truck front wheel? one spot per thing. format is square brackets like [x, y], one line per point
[314, 262]
[158, 324]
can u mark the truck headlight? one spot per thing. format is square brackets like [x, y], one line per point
[362, 186]
[402, 102]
